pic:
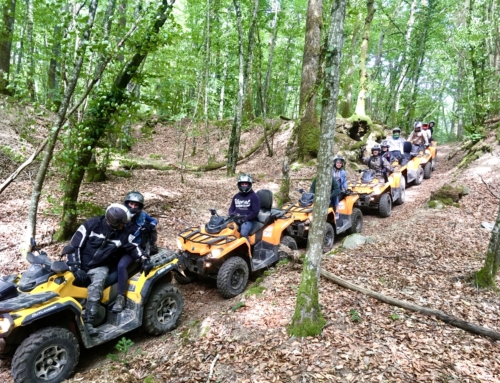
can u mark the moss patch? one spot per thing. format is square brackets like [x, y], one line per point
[121, 173]
[141, 164]
[308, 140]
[357, 117]
[255, 290]
[475, 152]
[307, 319]
[448, 195]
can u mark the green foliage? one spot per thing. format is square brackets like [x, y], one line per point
[238, 306]
[354, 315]
[123, 347]
[9, 152]
[255, 290]
[394, 316]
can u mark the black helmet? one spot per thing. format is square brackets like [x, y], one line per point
[377, 147]
[385, 144]
[117, 214]
[244, 178]
[134, 196]
[396, 133]
[432, 123]
[337, 158]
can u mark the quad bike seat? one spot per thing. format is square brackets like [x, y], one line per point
[266, 214]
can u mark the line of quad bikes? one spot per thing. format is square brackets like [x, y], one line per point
[41, 321]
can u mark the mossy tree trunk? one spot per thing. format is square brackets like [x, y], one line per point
[311, 62]
[486, 276]
[98, 118]
[363, 75]
[308, 320]
[284, 194]
[6, 33]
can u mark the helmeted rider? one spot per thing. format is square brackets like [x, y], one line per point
[143, 228]
[396, 144]
[418, 138]
[425, 129]
[95, 242]
[245, 204]
[385, 153]
[340, 176]
[377, 162]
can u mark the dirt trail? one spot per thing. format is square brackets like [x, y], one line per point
[421, 255]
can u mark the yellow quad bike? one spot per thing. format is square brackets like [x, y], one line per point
[350, 218]
[418, 166]
[216, 250]
[41, 322]
[377, 194]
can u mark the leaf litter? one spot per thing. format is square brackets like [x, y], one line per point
[421, 255]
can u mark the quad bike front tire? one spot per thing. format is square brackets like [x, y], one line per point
[402, 196]
[433, 162]
[428, 170]
[385, 205]
[163, 309]
[356, 221]
[420, 176]
[47, 356]
[289, 242]
[329, 238]
[232, 277]
[185, 280]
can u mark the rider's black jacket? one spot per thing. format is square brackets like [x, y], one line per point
[95, 243]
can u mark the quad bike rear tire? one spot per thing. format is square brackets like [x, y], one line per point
[232, 277]
[289, 242]
[420, 176]
[356, 221]
[163, 309]
[433, 162]
[185, 280]
[49, 355]
[402, 196]
[385, 205]
[428, 170]
[329, 238]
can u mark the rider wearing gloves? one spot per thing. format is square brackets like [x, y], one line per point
[245, 204]
[396, 144]
[95, 242]
[143, 228]
[377, 162]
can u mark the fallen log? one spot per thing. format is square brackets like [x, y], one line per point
[472, 328]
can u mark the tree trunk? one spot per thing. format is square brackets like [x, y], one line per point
[307, 130]
[30, 79]
[363, 75]
[346, 103]
[207, 78]
[284, 193]
[97, 121]
[6, 32]
[308, 320]
[244, 70]
[61, 116]
[486, 276]
[54, 69]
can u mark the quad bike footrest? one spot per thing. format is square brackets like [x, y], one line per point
[24, 301]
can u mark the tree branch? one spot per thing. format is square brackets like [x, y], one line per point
[487, 187]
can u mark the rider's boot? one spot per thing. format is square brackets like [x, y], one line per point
[119, 304]
[90, 312]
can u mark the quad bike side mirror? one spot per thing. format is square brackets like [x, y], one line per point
[213, 211]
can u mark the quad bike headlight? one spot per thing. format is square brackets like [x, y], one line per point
[6, 324]
[215, 253]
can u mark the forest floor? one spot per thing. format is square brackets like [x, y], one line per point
[421, 255]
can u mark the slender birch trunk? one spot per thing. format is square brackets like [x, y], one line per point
[61, 116]
[308, 320]
[6, 32]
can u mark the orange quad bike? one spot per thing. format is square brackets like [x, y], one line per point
[350, 218]
[376, 193]
[417, 166]
[216, 250]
